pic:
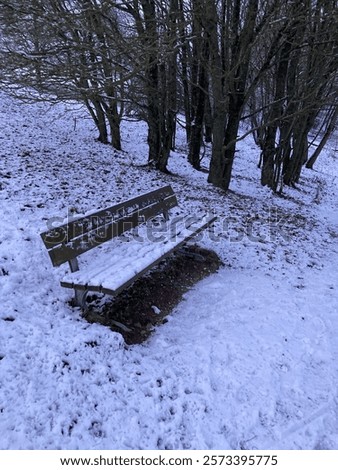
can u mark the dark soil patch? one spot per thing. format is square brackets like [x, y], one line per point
[145, 304]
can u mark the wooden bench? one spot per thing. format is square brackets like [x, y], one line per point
[113, 268]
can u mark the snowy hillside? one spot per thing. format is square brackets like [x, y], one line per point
[247, 360]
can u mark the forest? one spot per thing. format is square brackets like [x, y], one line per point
[222, 69]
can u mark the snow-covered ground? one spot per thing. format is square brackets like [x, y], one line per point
[247, 360]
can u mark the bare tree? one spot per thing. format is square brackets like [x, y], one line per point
[229, 76]
[303, 78]
[59, 50]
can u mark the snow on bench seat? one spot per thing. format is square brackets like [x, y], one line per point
[117, 271]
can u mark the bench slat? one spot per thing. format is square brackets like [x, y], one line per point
[125, 268]
[80, 226]
[61, 253]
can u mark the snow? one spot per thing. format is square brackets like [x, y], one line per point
[118, 264]
[247, 360]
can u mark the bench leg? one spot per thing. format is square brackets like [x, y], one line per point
[80, 295]
[80, 298]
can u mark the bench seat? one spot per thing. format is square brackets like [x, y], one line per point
[111, 273]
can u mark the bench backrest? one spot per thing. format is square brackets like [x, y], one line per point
[66, 242]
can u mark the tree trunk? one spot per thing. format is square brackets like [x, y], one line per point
[237, 87]
[100, 121]
[196, 136]
[269, 146]
[184, 64]
[230, 137]
[330, 128]
[114, 124]
[219, 103]
[207, 117]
